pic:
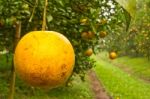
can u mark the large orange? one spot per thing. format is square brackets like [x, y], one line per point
[44, 59]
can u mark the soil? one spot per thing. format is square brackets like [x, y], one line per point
[96, 87]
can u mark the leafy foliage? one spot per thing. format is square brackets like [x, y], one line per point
[69, 17]
[129, 5]
[134, 42]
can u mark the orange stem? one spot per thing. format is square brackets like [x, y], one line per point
[44, 16]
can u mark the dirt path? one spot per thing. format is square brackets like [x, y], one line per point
[96, 87]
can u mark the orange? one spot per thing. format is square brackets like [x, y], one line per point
[84, 35]
[89, 52]
[103, 21]
[87, 35]
[83, 21]
[102, 34]
[44, 59]
[112, 55]
[90, 34]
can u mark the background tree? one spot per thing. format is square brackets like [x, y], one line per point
[135, 41]
[81, 21]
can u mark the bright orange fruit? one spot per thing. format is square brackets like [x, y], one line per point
[102, 34]
[112, 55]
[89, 52]
[44, 59]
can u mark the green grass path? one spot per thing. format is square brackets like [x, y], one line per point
[119, 84]
[140, 67]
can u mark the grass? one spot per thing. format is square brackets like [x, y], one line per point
[120, 84]
[79, 90]
[5, 62]
[140, 67]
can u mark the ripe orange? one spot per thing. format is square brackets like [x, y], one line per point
[44, 59]
[102, 34]
[87, 35]
[83, 21]
[89, 52]
[90, 34]
[103, 21]
[112, 55]
[84, 35]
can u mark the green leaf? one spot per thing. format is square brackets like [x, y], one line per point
[128, 19]
[49, 18]
[128, 5]
[61, 2]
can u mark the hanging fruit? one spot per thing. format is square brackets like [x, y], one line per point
[88, 52]
[44, 59]
[102, 34]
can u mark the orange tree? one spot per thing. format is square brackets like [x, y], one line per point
[138, 36]
[134, 42]
[81, 21]
[142, 25]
